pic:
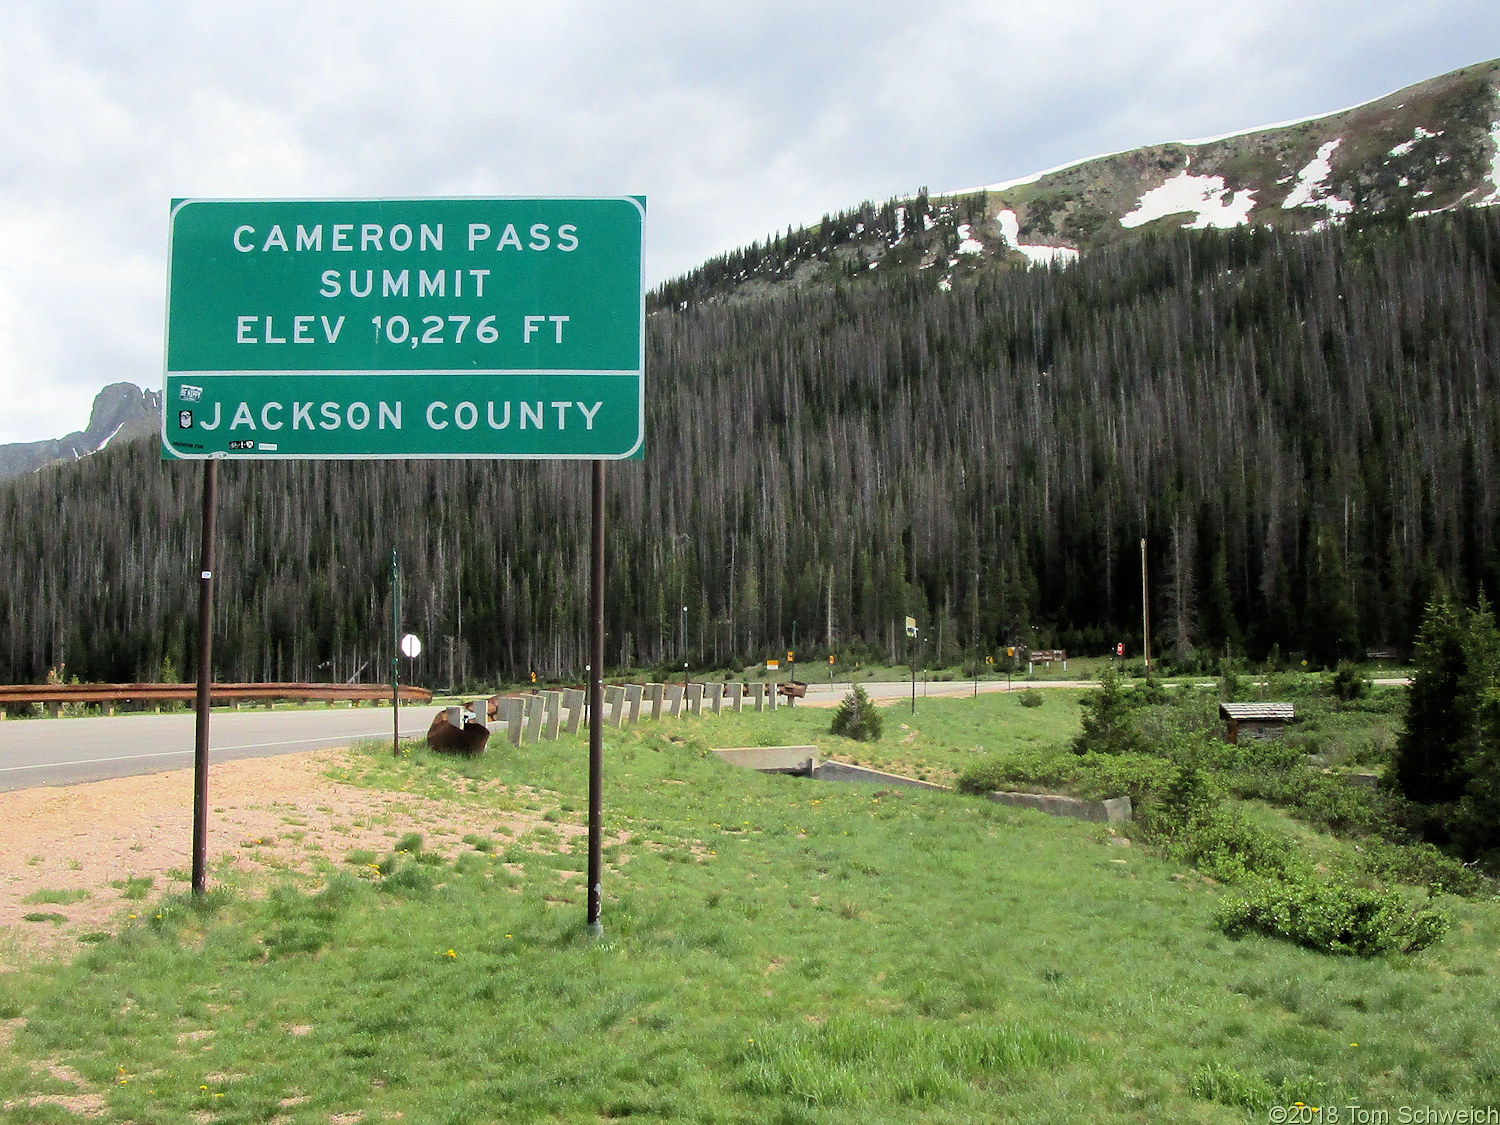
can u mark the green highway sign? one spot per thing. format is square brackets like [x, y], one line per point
[500, 328]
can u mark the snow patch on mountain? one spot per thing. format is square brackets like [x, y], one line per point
[1418, 134]
[1309, 190]
[1010, 232]
[1493, 198]
[967, 244]
[1204, 196]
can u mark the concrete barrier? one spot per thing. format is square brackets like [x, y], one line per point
[515, 719]
[534, 718]
[573, 704]
[654, 697]
[738, 696]
[551, 713]
[614, 703]
[772, 695]
[842, 771]
[695, 699]
[633, 694]
[715, 697]
[674, 700]
[757, 696]
[1113, 811]
[772, 759]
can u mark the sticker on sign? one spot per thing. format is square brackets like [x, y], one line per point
[433, 328]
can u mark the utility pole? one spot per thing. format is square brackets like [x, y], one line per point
[1145, 610]
[974, 633]
[791, 666]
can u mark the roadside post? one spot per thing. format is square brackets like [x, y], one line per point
[395, 656]
[205, 677]
[911, 633]
[477, 328]
[411, 648]
[791, 666]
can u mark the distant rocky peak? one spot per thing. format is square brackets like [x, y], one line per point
[121, 412]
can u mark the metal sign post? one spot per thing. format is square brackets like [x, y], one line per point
[911, 632]
[395, 656]
[596, 707]
[205, 677]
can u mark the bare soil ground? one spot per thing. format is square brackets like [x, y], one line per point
[81, 846]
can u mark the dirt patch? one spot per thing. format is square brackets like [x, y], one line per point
[88, 847]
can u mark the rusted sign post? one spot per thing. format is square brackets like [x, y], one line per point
[205, 677]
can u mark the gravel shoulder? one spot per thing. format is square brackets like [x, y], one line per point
[81, 846]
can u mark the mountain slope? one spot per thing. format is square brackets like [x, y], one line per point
[121, 412]
[1304, 428]
[1427, 149]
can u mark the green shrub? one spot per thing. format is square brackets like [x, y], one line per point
[1093, 777]
[1188, 816]
[1347, 683]
[1031, 698]
[1109, 722]
[1231, 685]
[1422, 865]
[857, 718]
[1332, 917]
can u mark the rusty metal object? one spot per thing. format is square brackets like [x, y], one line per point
[445, 738]
[221, 693]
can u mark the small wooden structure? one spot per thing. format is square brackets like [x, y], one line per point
[1263, 721]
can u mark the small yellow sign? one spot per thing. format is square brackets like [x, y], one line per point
[830, 658]
[790, 656]
[1010, 652]
[772, 665]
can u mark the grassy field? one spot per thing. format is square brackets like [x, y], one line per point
[775, 950]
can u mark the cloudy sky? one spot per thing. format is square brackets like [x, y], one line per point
[734, 119]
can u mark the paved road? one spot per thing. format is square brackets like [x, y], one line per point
[66, 751]
[829, 695]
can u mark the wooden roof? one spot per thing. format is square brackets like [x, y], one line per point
[1257, 712]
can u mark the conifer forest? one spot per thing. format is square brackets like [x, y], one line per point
[1303, 427]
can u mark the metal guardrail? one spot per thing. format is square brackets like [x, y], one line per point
[55, 695]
